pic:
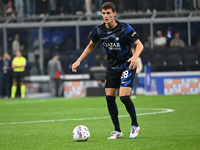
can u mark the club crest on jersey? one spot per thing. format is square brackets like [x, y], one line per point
[112, 46]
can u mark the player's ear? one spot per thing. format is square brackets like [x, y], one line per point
[115, 13]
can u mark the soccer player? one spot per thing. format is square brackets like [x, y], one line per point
[121, 64]
[18, 65]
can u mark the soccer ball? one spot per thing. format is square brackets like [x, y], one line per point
[81, 133]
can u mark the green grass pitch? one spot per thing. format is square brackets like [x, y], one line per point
[47, 124]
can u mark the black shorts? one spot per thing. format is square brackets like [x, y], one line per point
[119, 78]
[18, 77]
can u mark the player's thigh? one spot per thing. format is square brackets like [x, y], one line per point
[113, 79]
[111, 91]
[21, 77]
[124, 91]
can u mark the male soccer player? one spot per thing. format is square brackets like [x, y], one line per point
[18, 65]
[121, 64]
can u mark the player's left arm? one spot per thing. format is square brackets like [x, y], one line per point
[91, 46]
[138, 49]
[24, 64]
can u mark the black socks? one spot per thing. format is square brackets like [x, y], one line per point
[130, 108]
[113, 111]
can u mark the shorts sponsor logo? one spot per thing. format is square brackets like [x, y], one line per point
[123, 82]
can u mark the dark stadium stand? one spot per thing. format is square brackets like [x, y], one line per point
[146, 56]
[175, 58]
[190, 58]
[159, 59]
[172, 58]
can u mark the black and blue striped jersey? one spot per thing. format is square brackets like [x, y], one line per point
[117, 43]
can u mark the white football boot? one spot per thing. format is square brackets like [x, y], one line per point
[115, 135]
[134, 132]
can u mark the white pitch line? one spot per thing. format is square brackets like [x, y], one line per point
[162, 110]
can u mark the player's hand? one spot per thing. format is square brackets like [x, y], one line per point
[133, 62]
[74, 66]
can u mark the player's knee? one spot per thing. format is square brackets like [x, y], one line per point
[111, 92]
[110, 101]
[110, 98]
[14, 83]
[22, 83]
[125, 98]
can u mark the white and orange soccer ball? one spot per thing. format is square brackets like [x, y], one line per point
[81, 133]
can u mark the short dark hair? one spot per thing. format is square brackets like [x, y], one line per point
[108, 5]
[56, 54]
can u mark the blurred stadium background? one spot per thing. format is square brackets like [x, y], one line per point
[64, 26]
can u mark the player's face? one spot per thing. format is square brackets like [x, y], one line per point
[108, 15]
[18, 54]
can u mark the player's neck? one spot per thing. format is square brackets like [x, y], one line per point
[111, 25]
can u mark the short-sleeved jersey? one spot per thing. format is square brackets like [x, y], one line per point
[117, 43]
[19, 61]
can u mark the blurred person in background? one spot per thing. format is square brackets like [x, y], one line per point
[30, 8]
[16, 45]
[19, 6]
[177, 41]
[53, 7]
[160, 40]
[8, 7]
[18, 66]
[147, 43]
[55, 70]
[196, 4]
[178, 5]
[6, 75]
[136, 79]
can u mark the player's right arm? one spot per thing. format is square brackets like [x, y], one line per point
[91, 46]
[13, 64]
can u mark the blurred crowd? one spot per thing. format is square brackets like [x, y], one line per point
[64, 39]
[31, 8]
